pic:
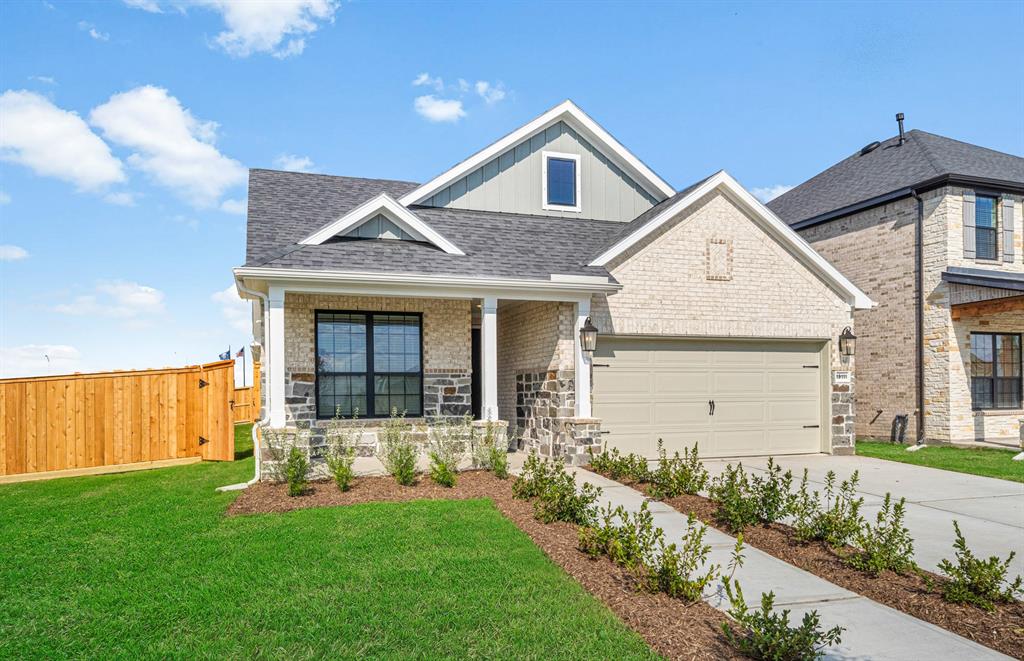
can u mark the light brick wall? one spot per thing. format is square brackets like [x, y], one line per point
[875, 250]
[680, 282]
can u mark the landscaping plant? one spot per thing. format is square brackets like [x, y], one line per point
[631, 467]
[838, 522]
[279, 444]
[767, 635]
[772, 493]
[628, 540]
[887, 544]
[562, 501]
[448, 438]
[534, 477]
[490, 452]
[737, 505]
[676, 570]
[976, 581]
[341, 450]
[678, 475]
[398, 450]
[297, 472]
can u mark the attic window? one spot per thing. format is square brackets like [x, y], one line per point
[561, 182]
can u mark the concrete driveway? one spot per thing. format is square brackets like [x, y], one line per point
[990, 511]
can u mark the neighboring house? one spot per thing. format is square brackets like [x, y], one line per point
[930, 228]
[466, 295]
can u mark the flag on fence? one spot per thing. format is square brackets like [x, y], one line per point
[241, 353]
[226, 355]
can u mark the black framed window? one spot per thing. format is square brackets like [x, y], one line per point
[985, 226]
[368, 363]
[995, 371]
[561, 181]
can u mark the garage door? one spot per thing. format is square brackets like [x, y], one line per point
[731, 398]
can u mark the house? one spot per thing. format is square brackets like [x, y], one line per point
[930, 228]
[466, 295]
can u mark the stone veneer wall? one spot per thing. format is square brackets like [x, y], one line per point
[875, 250]
[672, 287]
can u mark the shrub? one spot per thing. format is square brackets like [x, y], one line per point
[676, 570]
[887, 544]
[491, 451]
[611, 463]
[297, 472]
[603, 462]
[764, 634]
[838, 522]
[448, 438]
[806, 510]
[341, 451]
[279, 447]
[771, 493]
[677, 475]
[398, 451]
[534, 477]
[976, 581]
[562, 501]
[628, 543]
[737, 505]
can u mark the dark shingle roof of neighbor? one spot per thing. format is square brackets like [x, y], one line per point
[286, 207]
[893, 167]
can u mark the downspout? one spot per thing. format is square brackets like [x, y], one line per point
[265, 420]
[919, 299]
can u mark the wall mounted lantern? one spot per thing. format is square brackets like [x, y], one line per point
[847, 342]
[588, 336]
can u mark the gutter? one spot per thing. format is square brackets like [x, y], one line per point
[919, 304]
[258, 473]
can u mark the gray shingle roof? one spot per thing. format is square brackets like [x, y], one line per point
[893, 167]
[286, 207]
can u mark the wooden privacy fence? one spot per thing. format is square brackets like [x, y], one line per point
[245, 403]
[82, 421]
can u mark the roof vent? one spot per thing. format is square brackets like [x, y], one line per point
[899, 120]
[867, 149]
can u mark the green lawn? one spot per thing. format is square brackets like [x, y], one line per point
[988, 462]
[146, 565]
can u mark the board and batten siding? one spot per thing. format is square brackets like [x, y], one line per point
[512, 182]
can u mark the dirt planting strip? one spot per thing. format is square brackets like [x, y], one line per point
[1002, 630]
[672, 628]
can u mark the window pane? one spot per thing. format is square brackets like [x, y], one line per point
[1008, 393]
[1008, 351]
[397, 392]
[396, 343]
[981, 355]
[341, 343]
[985, 243]
[985, 211]
[562, 181]
[981, 393]
[341, 396]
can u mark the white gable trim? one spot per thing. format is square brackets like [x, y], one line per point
[571, 114]
[769, 221]
[389, 207]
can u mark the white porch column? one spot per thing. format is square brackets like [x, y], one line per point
[489, 358]
[275, 347]
[583, 360]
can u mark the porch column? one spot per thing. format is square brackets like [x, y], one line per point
[489, 358]
[583, 360]
[275, 360]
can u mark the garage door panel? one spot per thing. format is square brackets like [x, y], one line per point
[739, 441]
[680, 413]
[804, 412]
[623, 382]
[732, 413]
[792, 440]
[803, 381]
[622, 414]
[640, 443]
[677, 381]
[726, 383]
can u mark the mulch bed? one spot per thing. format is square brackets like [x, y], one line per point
[1002, 630]
[672, 628]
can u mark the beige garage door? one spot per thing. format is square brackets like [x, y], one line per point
[731, 398]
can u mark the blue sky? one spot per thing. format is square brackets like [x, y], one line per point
[126, 128]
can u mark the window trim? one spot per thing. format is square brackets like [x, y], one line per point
[996, 243]
[994, 378]
[370, 372]
[545, 156]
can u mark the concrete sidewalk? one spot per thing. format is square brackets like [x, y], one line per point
[873, 631]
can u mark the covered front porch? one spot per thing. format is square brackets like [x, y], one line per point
[368, 349]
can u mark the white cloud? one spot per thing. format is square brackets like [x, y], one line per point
[172, 146]
[121, 199]
[116, 298]
[54, 142]
[463, 85]
[439, 110]
[38, 359]
[4, 198]
[425, 79]
[236, 311]
[237, 207]
[491, 94]
[276, 27]
[769, 193]
[85, 26]
[294, 163]
[151, 6]
[49, 80]
[187, 221]
[11, 253]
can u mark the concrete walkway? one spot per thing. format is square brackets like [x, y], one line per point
[990, 511]
[873, 631]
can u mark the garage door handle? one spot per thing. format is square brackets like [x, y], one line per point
[711, 407]
[812, 426]
[601, 365]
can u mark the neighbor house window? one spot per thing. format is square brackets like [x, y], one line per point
[995, 371]
[368, 364]
[985, 226]
[561, 181]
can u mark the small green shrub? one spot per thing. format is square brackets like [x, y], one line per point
[631, 467]
[628, 540]
[806, 510]
[772, 493]
[490, 451]
[737, 504]
[838, 522]
[677, 475]
[677, 570]
[767, 635]
[398, 451]
[976, 581]
[534, 478]
[562, 501]
[603, 462]
[448, 439]
[297, 472]
[341, 450]
[887, 544]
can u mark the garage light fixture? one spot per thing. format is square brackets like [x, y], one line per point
[847, 342]
[588, 336]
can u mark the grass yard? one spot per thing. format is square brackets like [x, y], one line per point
[146, 565]
[987, 462]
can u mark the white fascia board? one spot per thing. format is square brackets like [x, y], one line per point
[387, 205]
[570, 113]
[772, 223]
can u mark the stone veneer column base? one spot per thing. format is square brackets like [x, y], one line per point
[842, 421]
[546, 417]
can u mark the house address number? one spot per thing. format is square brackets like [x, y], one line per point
[844, 377]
